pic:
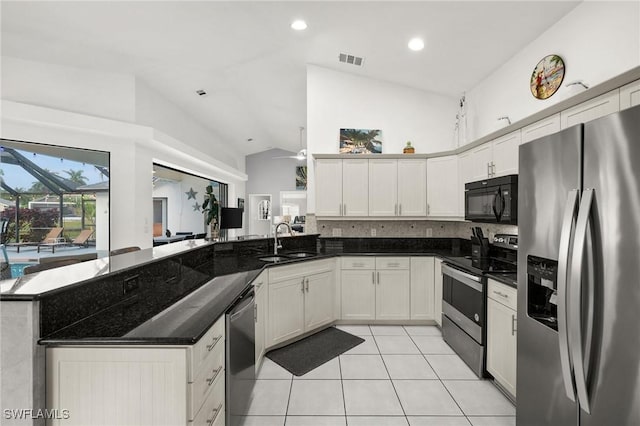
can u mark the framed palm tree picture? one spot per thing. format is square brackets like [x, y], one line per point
[360, 141]
[547, 77]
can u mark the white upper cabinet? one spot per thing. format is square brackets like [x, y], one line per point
[443, 189]
[544, 127]
[505, 154]
[355, 185]
[329, 187]
[590, 110]
[630, 95]
[383, 187]
[412, 187]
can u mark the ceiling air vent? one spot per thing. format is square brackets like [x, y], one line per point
[351, 59]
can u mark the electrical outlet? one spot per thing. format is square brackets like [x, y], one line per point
[429, 232]
[373, 232]
[336, 232]
[130, 284]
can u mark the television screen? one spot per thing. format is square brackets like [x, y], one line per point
[230, 217]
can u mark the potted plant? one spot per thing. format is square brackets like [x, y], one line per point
[210, 210]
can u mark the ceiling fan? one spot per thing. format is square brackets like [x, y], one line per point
[302, 154]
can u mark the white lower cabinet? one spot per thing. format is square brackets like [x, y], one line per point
[358, 294]
[437, 291]
[135, 385]
[422, 288]
[375, 288]
[502, 335]
[260, 285]
[301, 298]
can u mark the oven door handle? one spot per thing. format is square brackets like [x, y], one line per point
[473, 281]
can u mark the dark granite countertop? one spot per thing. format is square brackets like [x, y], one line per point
[182, 323]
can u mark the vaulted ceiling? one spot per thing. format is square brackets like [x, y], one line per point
[253, 65]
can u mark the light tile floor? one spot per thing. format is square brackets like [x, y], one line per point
[400, 376]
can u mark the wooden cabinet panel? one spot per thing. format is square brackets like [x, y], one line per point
[505, 154]
[286, 310]
[412, 187]
[328, 187]
[355, 187]
[358, 294]
[443, 189]
[383, 187]
[502, 344]
[422, 288]
[544, 127]
[318, 300]
[393, 295]
[437, 291]
[590, 110]
[630, 95]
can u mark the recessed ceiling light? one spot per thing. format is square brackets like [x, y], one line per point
[416, 44]
[299, 25]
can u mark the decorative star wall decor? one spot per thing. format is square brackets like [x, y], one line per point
[196, 207]
[191, 194]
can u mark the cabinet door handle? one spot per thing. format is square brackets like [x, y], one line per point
[212, 379]
[378, 277]
[395, 210]
[213, 342]
[302, 285]
[307, 284]
[215, 413]
[499, 293]
[514, 321]
[258, 285]
[488, 169]
[373, 278]
[255, 313]
[428, 209]
[400, 209]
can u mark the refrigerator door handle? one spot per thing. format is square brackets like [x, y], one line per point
[568, 222]
[575, 303]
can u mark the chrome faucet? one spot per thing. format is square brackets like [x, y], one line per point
[276, 243]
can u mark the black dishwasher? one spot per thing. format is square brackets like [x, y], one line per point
[240, 357]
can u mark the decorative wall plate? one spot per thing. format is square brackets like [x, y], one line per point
[547, 76]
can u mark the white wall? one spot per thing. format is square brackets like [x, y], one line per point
[90, 92]
[155, 111]
[597, 41]
[338, 100]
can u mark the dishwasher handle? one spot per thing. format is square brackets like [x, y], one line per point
[246, 302]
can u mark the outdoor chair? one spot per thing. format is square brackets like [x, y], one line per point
[52, 240]
[83, 238]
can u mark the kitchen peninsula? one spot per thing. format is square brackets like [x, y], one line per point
[114, 302]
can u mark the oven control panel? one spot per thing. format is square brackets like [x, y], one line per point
[509, 241]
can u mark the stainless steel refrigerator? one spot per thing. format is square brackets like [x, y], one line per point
[579, 275]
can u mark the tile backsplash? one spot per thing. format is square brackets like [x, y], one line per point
[402, 228]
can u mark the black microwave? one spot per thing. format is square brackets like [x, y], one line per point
[492, 200]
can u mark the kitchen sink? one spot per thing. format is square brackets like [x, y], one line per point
[300, 255]
[274, 259]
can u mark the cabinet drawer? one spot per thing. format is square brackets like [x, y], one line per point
[212, 412]
[393, 262]
[204, 347]
[360, 262]
[502, 293]
[299, 270]
[211, 371]
[260, 280]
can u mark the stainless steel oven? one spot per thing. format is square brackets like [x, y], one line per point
[492, 200]
[464, 315]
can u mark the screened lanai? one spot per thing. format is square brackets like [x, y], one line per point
[55, 200]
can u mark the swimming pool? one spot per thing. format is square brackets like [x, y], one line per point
[18, 268]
